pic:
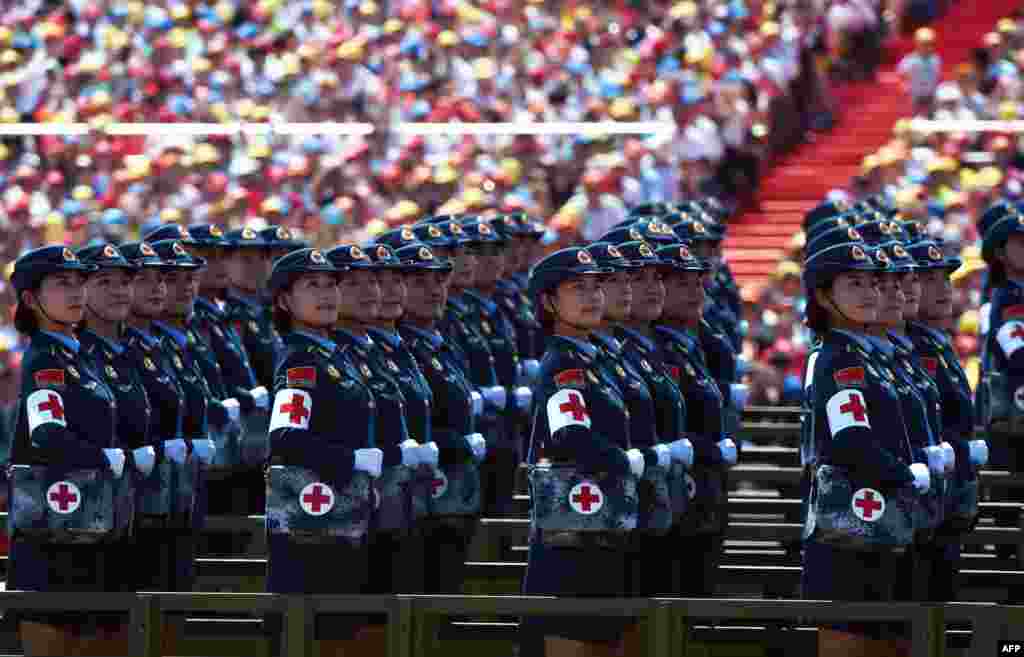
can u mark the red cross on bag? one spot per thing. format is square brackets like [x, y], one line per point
[292, 409]
[868, 504]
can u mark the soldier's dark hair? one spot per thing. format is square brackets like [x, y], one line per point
[281, 319]
[818, 317]
[25, 320]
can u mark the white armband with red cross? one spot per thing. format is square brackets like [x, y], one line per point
[45, 406]
[1011, 337]
[292, 410]
[566, 408]
[846, 409]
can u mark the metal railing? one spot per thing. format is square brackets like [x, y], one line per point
[667, 621]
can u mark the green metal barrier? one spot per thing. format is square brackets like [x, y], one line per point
[667, 620]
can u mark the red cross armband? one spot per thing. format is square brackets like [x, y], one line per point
[846, 409]
[565, 408]
[45, 406]
[1011, 337]
[292, 410]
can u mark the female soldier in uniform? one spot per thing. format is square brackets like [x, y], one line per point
[65, 457]
[699, 533]
[935, 351]
[320, 499]
[584, 470]
[861, 496]
[455, 485]
[636, 334]
[391, 527]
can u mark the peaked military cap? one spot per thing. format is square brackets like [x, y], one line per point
[694, 231]
[382, 256]
[606, 254]
[996, 224]
[280, 237]
[834, 252]
[245, 238]
[480, 231]
[396, 238]
[208, 235]
[680, 258]
[824, 210]
[290, 266]
[174, 253]
[105, 256]
[170, 232]
[561, 266]
[349, 256]
[142, 255]
[33, 266]
[642, 254]
[420, 257]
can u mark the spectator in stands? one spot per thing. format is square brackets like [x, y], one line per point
[921, 71]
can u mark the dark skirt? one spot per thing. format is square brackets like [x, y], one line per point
[445, 547]
[161, 560]
[72, 568]
[576, 572]
[674, 565]
[320, 569]
[832, 573]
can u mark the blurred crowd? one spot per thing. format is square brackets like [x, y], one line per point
[740, 80]
[941, 181]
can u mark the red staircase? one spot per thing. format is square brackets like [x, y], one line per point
[866, 114]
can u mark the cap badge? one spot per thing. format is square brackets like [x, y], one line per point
[934, 253]
[899, 251]
[215, 231]
[853, 234]
[407, 234]
[356, 253]
[857, 253]
[425, 254]
[645, 251]
[317, 258]
[109, 252]
[248, 233]
[178, 249]
[613, 252]
[684, 252]
[147, 250]
[69, 256]
[584, 257]
[432, 231]
[382, 252]
[283, 233]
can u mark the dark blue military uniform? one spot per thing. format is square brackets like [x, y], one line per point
[251, 318]
[66, 417]
[452, 420]
[580, 419]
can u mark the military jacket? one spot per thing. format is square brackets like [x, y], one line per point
[391, 427]
[669, 404]
[516, 304]
[857, 413]
[160, 379]
[394, 354]
[212, 325]
[684, 359]
[323, 411]
[580, 415]
[940, 360]
[500, 334]
[637, 396]
[66, 413]
[459, 327]
[924, 415]
[198, 396]
[253, 323]
[451, 416]
[115, 366]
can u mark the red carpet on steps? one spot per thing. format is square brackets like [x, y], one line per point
[866, 114]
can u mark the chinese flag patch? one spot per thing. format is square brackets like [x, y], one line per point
[930, 364]
[47, 378]
[303, 377]
[674, 372]
[1013, 312]
[849, 376]
[569, 378]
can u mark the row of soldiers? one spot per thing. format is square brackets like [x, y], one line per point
[188, 375]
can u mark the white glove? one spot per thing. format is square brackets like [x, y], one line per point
[204, 449]
[636, 462]
[233, 409]
[682, 451]
[476, 404]
[522, 397]
[145, 459]
[176, 450]
[260, 397]
[949, 457]
[727, 448]
[664, 453]
[410, 453]
[978, 450]
[116, 458]
[478, 445]
[738, 393]
[369, 460]
[496, 396]
[922, 478]
[936, 460]
[429, 454]
[530, 369]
